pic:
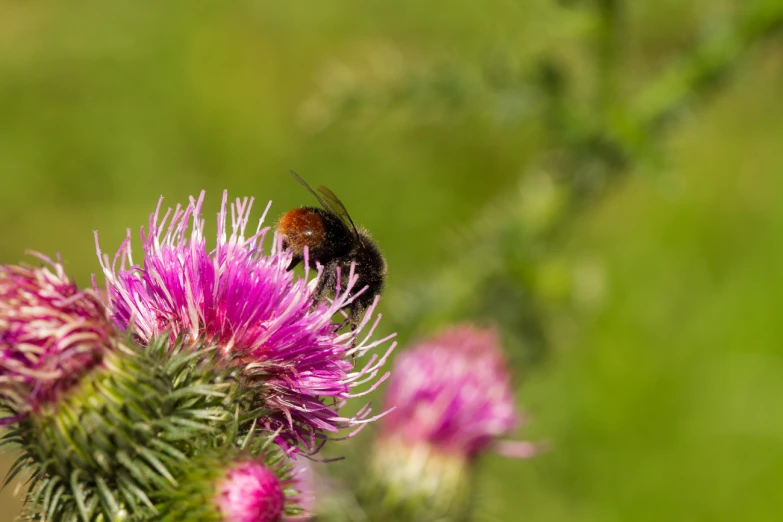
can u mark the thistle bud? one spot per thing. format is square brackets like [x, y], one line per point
[234, 485]
[249, 492]
[453, 401]
[51, 334]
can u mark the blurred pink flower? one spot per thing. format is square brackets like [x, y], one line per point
[453, 392]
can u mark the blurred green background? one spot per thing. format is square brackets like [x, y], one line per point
[601, 179]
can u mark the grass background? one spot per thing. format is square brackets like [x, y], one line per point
[661, 385]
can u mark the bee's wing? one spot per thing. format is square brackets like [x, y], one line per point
[308, 187]
[329, 201]
[332, 203]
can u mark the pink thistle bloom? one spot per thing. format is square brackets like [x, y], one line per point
[453, 393]
[51, 333]
[242, 297]
[250, 492]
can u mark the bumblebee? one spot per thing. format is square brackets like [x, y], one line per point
[333, 240]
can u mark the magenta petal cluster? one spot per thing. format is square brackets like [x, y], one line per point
[242, 297]
[50, 334]
[453, 392]
[250, 492]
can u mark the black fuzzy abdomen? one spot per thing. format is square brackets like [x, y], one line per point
[370, 266]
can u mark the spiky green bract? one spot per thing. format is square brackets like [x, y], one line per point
[205, 484]
[103, 449]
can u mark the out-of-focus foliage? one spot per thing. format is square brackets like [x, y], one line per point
[599, 178]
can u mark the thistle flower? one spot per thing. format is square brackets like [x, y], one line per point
[83, 399]
[243, 298]
[453, 399]
[222, 484]
[51, 333]
[241, 478]
[453, 392]
[250, 492]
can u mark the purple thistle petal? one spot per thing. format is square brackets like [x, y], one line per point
[243, 298]
[51, 333]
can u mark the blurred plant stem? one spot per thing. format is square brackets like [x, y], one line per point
[695, 74]
[508, 271]
[607, 51]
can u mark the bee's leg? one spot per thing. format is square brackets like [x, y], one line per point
[354, 318]
[298, 258]
[357, 311]
[328, 281]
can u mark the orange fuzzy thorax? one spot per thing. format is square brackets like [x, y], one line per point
[301, 227]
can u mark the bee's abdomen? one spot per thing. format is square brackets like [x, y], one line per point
[370, 267]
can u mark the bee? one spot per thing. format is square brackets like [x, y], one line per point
[333, 240]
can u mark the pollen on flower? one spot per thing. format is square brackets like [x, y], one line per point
[242, 297]
[51, 333]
